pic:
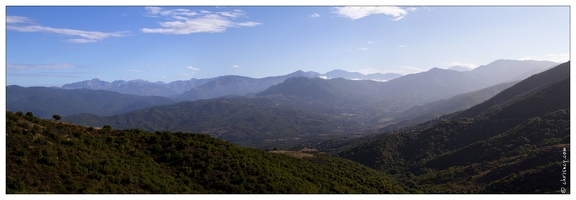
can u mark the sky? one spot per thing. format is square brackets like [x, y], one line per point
[55, 45]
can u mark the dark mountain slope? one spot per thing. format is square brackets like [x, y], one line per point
[516, 139]
[49, 157]
[534, 83]
[423, 113]
[331, 92]
[45, 102]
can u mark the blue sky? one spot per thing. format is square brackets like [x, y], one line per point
[52, 46]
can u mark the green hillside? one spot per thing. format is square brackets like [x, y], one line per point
[44, 156]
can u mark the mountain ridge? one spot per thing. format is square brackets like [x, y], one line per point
[45, 102]
[176, 89]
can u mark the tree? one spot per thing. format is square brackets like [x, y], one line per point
[56, 117]
[29, 115]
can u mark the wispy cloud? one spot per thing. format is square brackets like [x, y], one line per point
[46, 74]
[235, 66]
[185, 74]
[360, 12]
[193, 68]
[134, 70]
[525, 58]
[85, 36]
[559, 58]
[370, 42]
[41, 66]
[315, 15]
[401, 46]
[18, 19]
[184, 21]
[410, 70]
[461, 64]
[363, 49]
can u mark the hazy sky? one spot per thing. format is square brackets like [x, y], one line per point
[51, 46]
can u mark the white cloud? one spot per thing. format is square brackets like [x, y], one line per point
[184, 21]
[560, 58]
[37, 67]
[235, 66]
[461, 64]
[234, 14]
[315, 15]
[193, 68]
[86, 36]
[17, 19]
[401, 46]
[134, 70]
[249, 24]
[370, 42]
[363, 49]
[410, 70]
[525, 58]
[360, 12]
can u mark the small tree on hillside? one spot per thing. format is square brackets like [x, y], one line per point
[56, 117]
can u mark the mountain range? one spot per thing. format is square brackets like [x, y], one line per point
[194, 89]
[307, 108]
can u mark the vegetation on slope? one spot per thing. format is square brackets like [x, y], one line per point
[45, 156]
[245, 121]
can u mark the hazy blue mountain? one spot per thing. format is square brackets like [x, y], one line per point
[182, 86]
[509, 70]
[236, 85]
[459, 68]
[359, 76]
[138, 87]
[45, 102]
[94, 84]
